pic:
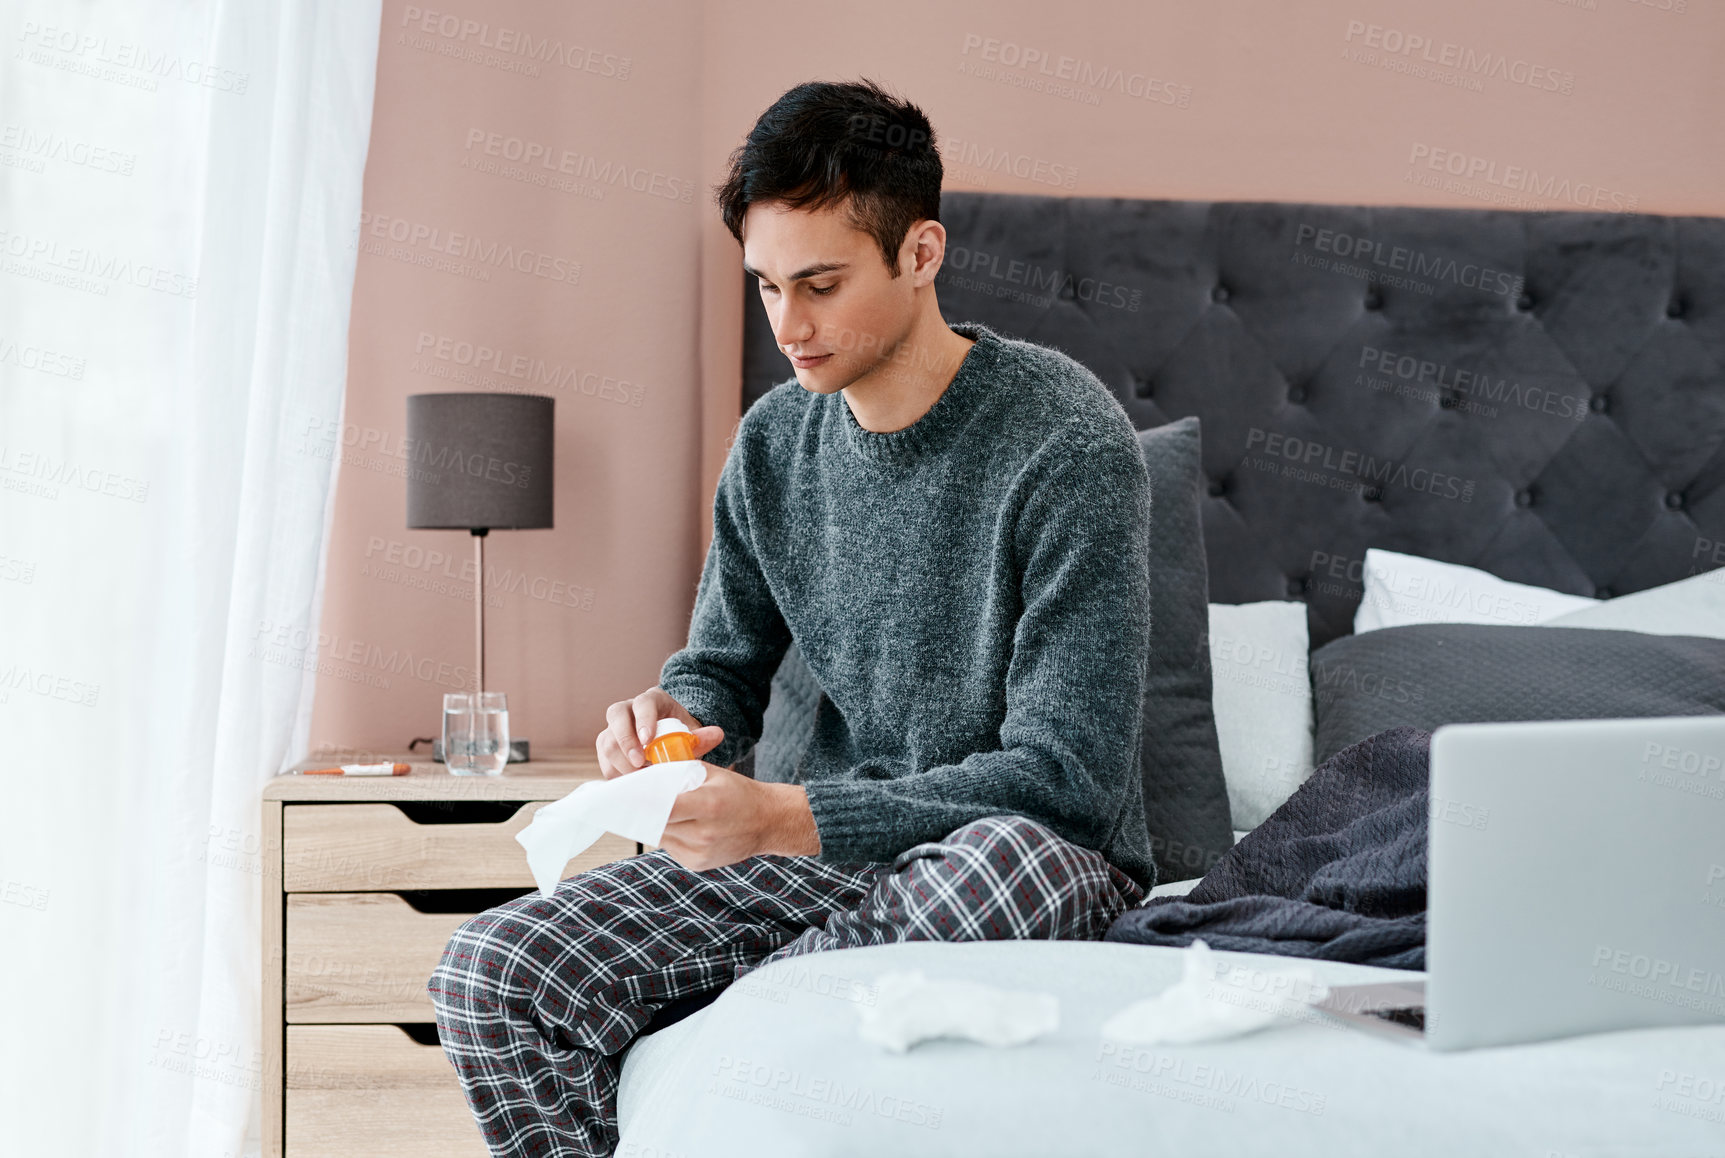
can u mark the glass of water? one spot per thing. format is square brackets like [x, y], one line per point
[475, 733]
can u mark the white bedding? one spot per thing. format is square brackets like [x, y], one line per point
[774, 1067]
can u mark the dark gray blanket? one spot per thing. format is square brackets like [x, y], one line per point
[1337, 872]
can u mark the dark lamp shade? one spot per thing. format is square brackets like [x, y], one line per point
[479, 461]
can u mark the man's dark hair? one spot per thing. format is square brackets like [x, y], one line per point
[823, 143]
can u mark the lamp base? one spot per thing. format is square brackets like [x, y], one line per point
[517, 751]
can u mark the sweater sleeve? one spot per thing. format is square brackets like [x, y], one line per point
[737, 636]
[1069, 738]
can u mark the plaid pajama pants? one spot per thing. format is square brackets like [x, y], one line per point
[537, 999]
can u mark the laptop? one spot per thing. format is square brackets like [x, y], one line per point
[1575, 884]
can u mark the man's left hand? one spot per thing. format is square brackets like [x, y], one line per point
[731, 817]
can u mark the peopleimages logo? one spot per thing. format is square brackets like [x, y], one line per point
[87, 53]
[16, 570]
[474, 363]
[1491, 65]
[49, 685]
[1514, 178]
[1354, 466]
[993, 159]
[24, 895]
[1082, 74]
[1048, 281]
[1477, 384]
[1684, 769]
[1204, 1083]
[40, 359]
[107, 268]
[814, 1096]
[419, 452]
[1658, 979]
[410, 565]
[515, 42]
[1396, 257]
[470, 247]
[48, 471]
[1460, 814]
[1333, 679]
[542, 160]
[297, 646]
[51, 146]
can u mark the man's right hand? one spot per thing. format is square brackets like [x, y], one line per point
[629, 725]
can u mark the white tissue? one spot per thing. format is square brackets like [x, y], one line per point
[1213, 1001]
[635, 806]
[909, 1008]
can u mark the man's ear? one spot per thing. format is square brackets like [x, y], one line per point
[927, 244]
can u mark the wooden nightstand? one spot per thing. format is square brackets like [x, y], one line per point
[365, 878]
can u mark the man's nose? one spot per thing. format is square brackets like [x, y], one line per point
[793, 327]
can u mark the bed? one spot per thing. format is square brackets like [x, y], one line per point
[1548, 391]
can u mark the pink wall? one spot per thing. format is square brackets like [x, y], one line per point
[1611, 103]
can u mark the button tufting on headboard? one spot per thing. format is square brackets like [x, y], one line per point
[1538, 394]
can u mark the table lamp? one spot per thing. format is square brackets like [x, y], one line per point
[479, 463]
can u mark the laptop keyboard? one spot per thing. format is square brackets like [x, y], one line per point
[1413, 1016]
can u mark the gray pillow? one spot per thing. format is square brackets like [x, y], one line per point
[1428, 674]
[1185, 793]
[788, 723]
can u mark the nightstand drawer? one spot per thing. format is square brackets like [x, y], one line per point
[366, 847]
[371, 1091]
[361, 957]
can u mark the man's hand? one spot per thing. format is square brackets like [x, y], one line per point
[629, 726]
[731, 818]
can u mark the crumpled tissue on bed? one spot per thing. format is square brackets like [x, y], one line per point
[909, 1008]
[1213, 1001]
[635, 806]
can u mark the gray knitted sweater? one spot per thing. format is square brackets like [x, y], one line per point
[971, 593]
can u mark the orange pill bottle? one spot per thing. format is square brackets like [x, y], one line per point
[672, 740]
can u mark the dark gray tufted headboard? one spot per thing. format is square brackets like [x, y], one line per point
[1538, 394]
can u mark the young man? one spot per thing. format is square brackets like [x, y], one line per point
[953, 527]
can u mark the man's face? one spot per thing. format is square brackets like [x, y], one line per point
[836, 310]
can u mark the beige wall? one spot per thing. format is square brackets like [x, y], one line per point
[1615, 103]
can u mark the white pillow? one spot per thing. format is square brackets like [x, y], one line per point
[1175, 888]
[1260, 653]
[1261, 689]
[1692, 606]
[1261, 692]
[1403, 589]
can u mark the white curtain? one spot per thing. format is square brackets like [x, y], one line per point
[179, 198]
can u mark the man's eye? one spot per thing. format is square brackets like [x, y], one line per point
[823, 291]
[767, 286]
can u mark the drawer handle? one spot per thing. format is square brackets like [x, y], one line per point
[460, 811]
[422, 1032]
[468, 901]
